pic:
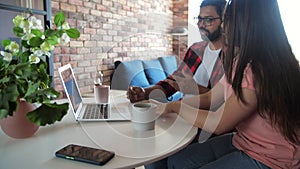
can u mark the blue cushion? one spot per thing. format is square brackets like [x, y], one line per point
[168, 63]
[154, 71]
[129, 73]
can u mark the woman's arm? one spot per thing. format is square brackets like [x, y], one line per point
[232, 112]
[210, 100]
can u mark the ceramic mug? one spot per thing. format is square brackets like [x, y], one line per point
[101, 93]
[143, 116]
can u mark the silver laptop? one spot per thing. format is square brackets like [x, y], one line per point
[86, 111]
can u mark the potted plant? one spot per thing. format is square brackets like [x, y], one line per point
[23, 69]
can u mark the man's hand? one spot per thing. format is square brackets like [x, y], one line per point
[135, 94]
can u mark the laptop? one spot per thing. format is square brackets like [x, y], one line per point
[87, 111]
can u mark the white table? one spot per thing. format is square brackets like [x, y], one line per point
[132, 148]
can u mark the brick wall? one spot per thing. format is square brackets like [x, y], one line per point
[116, 30]
[180, 19]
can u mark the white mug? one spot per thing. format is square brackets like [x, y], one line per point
[143, 116]
[101, 93]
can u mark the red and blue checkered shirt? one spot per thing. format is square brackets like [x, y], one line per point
[192, 59]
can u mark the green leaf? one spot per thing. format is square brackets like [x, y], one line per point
[20, 68]
[4, 80]
[6, 42]
[73, 33]
[44, 94]
[32, 88]
[18, 72]
[8, 97]
[50, 32]
[3, 113]
[48, 113]
[59, 33]
[53, 40]
[59, 18]
[7, 108]
[37, 32]
[11, 93]
[25, 44]
[18, 31]
[36, 41]
[24, 56]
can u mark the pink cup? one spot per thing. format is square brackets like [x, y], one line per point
[101, 93]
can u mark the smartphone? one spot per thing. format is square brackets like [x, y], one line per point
[85, 154]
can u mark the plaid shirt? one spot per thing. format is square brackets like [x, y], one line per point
[193, 58]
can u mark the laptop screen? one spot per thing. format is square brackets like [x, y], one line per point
[71, 87]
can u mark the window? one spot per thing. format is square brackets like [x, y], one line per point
[289, 16]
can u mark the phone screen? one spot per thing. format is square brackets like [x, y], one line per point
[85, 154]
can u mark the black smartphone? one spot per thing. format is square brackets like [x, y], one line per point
[85, 154]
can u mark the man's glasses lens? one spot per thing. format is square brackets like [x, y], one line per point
[206, 21]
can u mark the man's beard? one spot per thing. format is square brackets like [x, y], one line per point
[210, 36]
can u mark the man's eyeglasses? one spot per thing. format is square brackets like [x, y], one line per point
[207, 21]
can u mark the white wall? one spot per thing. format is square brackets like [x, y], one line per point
[194, 9]
[289, 13]
[289, 10]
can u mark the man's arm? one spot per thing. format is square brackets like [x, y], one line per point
[135, 93]
[190, 63]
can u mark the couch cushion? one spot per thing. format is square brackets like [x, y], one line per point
[154, 71]
[168, 63]
[129, 74]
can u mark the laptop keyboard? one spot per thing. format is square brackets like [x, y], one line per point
[96, 111]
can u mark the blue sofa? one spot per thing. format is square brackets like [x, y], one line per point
[144, 73]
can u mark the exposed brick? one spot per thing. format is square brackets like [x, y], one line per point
[56, 59]
[76, 43]
[97, 50]
[55, 4]
[107, 2]
[73, 50]
[57, 50]
[90, 31]
[90, 44]
[65, 59]
[65, 50]
[77, 57]
[106, 28]
[85, 37]
[89, 5]
[101, 7]
[95, 24]
[76, 2]
[84, 63]
[95, 12]
[83, 50]
[90, 57]
[83, 10]
[97, 37]
[81, 24]
[68, 7]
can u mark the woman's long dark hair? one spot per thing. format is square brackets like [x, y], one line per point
[255, 28]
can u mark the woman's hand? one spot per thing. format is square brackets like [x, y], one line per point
[164, 108]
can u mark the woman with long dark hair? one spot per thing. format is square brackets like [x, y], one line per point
[261, 92]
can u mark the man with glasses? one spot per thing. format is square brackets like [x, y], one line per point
[201, 67]
[201, 63]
